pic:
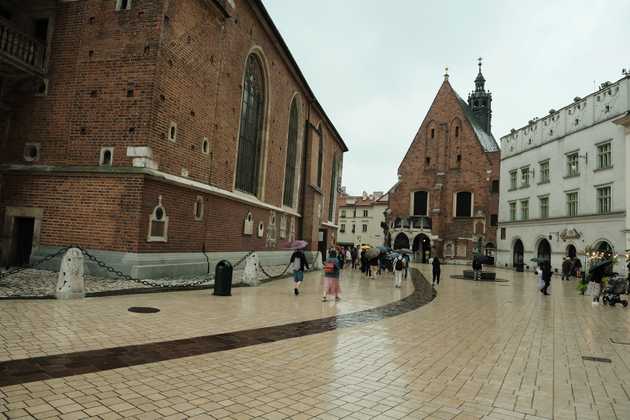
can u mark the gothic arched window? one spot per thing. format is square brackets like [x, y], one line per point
[251, 129]
[320, 157]
[289, 172]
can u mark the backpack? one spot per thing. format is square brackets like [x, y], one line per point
[399, 264]
[330, 267]
[297, 264]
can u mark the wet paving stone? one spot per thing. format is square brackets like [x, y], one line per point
[57, 366]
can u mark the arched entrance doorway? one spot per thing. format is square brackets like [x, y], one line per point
[571, 251]
[544, 251]
[605, 249]
[422, 248]
[517, 256]
[401, 241]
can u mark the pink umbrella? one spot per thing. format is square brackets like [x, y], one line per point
[297, 244]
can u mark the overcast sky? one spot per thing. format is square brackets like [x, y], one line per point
[376, 65]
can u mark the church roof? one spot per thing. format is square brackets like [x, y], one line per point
[486, 139]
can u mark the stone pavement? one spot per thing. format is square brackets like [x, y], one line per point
[479, 350]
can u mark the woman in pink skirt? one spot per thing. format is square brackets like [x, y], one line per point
[331, 276]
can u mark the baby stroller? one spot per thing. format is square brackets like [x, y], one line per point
[616, 287]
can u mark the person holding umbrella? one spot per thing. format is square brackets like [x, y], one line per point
[299, 264]
[331, 276]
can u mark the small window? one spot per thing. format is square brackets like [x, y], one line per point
[343, 213]
[205, 146]
[420, 203]
[364, 228]
[494, 187]
[31, 152]
[604, 200]
[604, 156]
[513, 179]
[428, 160]
[525, 210]
[158, 224]
[544, 172]
[494, 220]
[459, 158]
[107, 156]
[457, 131]
[572, 203]
[433, 133]
[353, 228]
[512, 211]
[342, 228]
[573, 166]
[172, 131]
[544, 207]
[198, 208]
[365, 213]
[503, 235]
[123, 4]
[463, 204]
[525, 177]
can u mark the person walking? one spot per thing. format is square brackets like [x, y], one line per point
[476, 266]
[354, 253]
[349, 258]
[331, 276]
[566, 269]
[341, 258]
[299, 262]
[436, 270]
[577, 268]
[546, 277]
[407, 260]
[399, 267]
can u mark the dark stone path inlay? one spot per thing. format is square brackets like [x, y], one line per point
[58, 366]
[143, 310]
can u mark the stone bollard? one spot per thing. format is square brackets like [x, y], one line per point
[71, 283]
[250, 273]
[318, 264]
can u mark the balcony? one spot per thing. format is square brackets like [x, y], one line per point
[413, 222]
[20, 51]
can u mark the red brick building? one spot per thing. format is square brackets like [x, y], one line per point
[446, 200]
[153, 130]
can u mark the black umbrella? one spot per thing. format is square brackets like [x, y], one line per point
[599, 264]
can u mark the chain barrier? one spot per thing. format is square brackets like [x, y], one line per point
[117, 274]
[284, 272]
[37, 264]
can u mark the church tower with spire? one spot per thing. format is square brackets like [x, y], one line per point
[480, 102]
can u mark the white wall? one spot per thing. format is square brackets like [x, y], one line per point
[374, 234]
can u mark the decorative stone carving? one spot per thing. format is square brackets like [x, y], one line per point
[248, 225]
[449, 250]
[270, 239]
[158, 224]
[292, 229]
[70, 282]
[250, 273]
[461, 249]
[261, 229]
[283, 226]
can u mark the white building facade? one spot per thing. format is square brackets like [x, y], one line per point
[360, 219]
[563, 182]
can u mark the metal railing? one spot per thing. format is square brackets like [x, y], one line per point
[22, 48]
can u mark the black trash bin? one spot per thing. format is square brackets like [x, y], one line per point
[223, 279]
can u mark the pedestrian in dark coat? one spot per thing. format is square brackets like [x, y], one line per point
[436, 270]
[546, 276]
